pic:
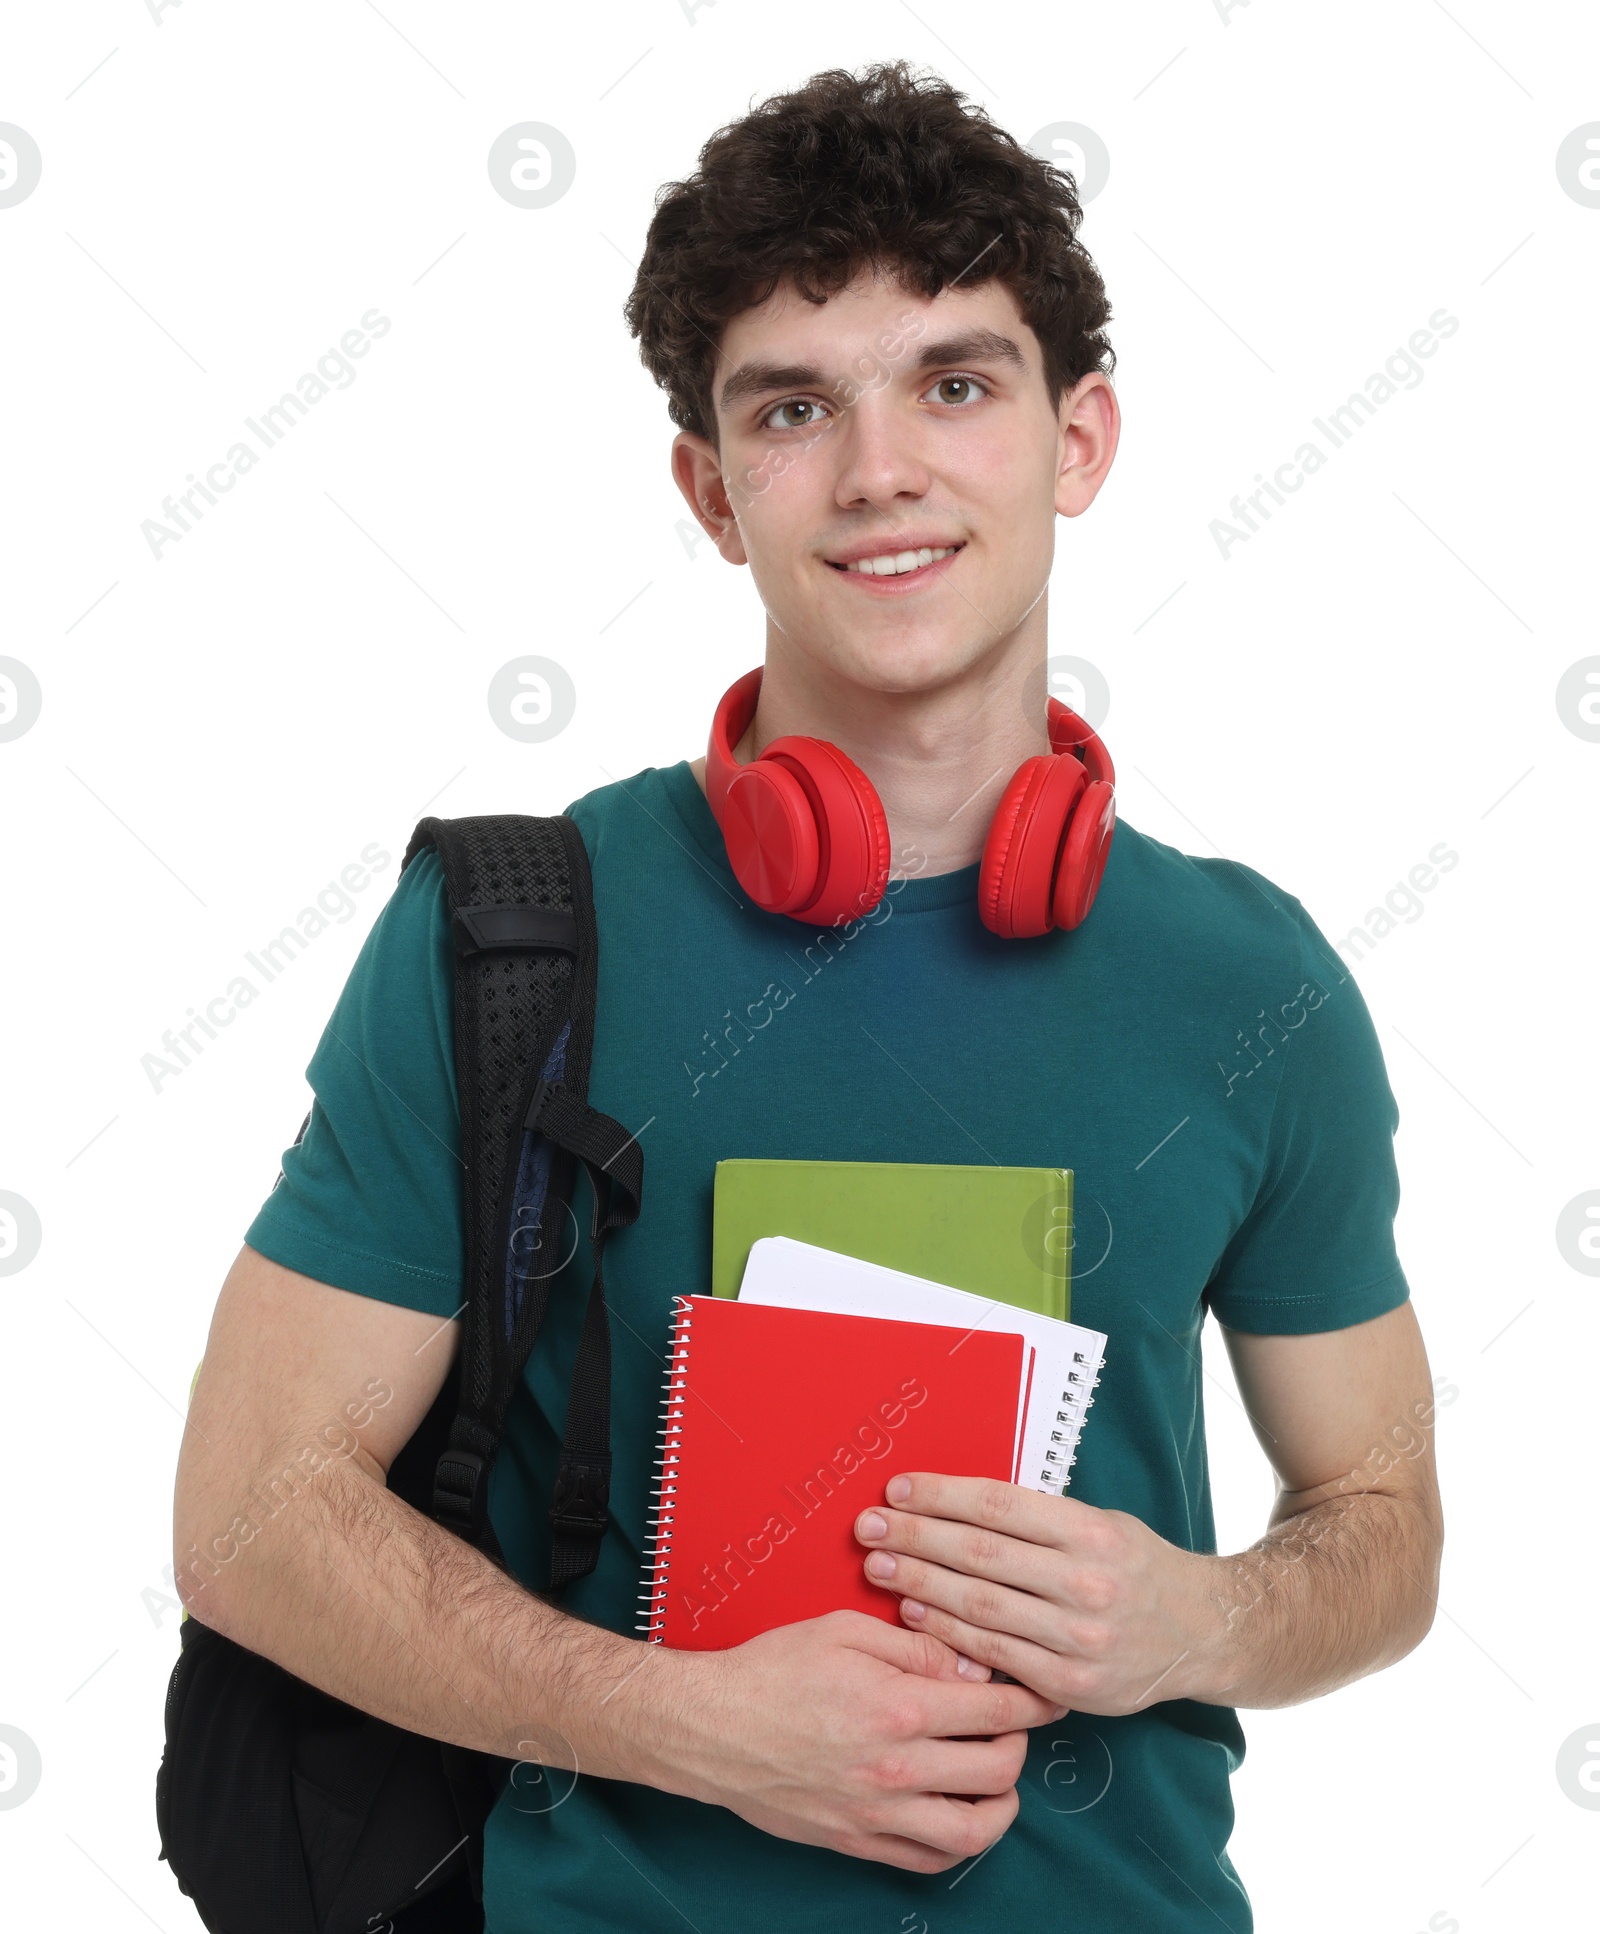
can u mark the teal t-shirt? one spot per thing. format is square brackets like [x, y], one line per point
[1195, 1052]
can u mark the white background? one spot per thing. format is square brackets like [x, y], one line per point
[1293, 191]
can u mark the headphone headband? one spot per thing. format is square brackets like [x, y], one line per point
[1070, 733]
[729, 724]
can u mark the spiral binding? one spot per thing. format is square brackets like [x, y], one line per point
[664, 1478]
[1075, 1406]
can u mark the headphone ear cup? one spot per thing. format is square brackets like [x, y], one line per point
[1084, 855]
[1017, 876]
[853, 833]
[993, 884]
[770, 830]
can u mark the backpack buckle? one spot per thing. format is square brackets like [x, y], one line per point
[460, 1495]
[578, 1506]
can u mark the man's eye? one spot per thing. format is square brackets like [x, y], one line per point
[966, 388]
[779, 417]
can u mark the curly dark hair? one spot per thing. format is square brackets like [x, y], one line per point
[886, 169]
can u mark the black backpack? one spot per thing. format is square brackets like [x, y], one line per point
[285, 1811]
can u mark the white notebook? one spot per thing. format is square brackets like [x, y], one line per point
[1064, 1359]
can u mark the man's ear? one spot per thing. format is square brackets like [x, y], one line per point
[697, 471]
[1089, 423]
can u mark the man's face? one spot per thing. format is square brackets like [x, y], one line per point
[882, 424]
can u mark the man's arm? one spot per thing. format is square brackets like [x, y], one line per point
[1092, 1608]
[842, 1732]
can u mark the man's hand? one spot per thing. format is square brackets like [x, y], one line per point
[1093, 1609]
[847, 1733]
[1088, 1607]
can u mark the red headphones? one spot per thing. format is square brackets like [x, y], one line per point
[806, 834]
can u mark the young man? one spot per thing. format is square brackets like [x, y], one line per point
[881, 341]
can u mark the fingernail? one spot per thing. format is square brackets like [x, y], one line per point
[881, 1565]
[912, 1609]
[969, 1668]
[872, 1526]
[897, 1490]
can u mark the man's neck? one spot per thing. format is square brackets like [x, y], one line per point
[939, 760]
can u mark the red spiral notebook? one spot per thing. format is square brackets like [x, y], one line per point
[779, 1427]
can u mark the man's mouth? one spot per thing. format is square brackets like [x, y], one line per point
[897, 563]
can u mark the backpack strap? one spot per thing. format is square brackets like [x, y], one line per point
[526, 957]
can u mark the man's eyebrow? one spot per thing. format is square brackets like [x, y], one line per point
[971, 346]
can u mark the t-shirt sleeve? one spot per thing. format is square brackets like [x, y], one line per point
[1316, 1249]
[370, 1196]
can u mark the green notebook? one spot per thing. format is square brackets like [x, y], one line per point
[999, 1232]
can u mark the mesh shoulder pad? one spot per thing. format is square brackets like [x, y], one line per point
[522, 920]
